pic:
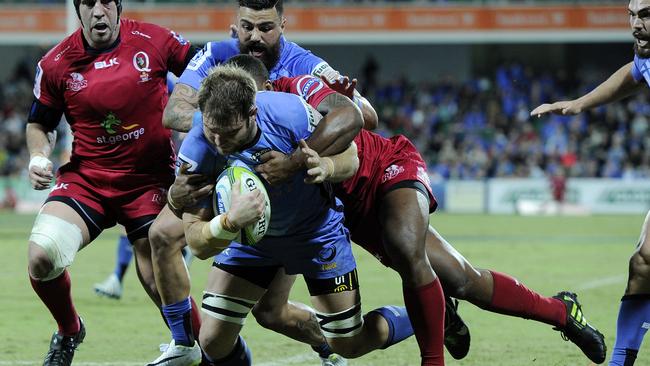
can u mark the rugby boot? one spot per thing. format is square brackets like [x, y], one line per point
[62, 347]
[110, 287]
[178, 355]
[457, 336]
[590, 341]
[333, 360]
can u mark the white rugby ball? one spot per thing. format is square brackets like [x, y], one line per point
[254, 232]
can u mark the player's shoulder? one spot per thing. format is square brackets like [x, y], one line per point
[63, 53]
[282, 108]
[138, 31]
[223, 49]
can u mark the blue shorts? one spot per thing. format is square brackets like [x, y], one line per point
[320, 255]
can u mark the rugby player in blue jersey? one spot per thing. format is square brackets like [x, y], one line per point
[634, 312]
[305, 236]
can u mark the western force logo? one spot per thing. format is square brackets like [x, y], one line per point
[76, 82]
[141, 64]
[117, 132]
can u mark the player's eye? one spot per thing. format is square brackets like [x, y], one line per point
[88, 3]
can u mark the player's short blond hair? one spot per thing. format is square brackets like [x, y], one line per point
[227, 95]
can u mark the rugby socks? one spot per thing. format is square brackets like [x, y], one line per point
[510, 297]
[399, 324]
[324, 350]
[124, 255]
[632, 324]
[56, 294]
[426, 308]
[178, 316]
[239, 356]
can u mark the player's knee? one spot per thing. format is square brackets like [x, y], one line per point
[268, 317]
[164, 239]
[56, 243]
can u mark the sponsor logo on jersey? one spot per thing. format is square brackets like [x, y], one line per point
[312, 84]
[141, 64]
[60, 186]
[258, 154]
[60, 54]
[106, 64]
[117, 132]
[179, 38]
[76, 82]
[137, 33]
[392, 172]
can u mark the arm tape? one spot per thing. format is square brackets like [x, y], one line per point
[44, 115]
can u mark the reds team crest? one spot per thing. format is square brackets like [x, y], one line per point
[141, 63]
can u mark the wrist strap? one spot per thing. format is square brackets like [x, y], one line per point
[218, 231]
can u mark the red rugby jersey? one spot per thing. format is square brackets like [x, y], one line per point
[114, 98]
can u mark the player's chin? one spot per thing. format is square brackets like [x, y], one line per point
[643, 51]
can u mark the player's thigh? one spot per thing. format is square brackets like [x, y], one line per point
[226, 303]
[278, 292]
[404, 217]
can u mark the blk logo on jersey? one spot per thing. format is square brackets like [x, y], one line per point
[106, 64]
[76, 82]
[141, 64]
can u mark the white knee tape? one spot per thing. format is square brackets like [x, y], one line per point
[227, 308]
[60, 239]
[344, 324]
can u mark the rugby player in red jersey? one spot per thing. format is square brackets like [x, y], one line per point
[109, 78]
[387, 205]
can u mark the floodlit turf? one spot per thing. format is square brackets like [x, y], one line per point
[586, 255]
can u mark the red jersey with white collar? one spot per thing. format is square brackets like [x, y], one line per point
[114, 98]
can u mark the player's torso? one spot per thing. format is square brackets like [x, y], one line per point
[114, 104]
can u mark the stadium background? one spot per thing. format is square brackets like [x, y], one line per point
[457, 77]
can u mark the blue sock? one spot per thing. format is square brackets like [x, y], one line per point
[633, 323]
[124, 255]
[240, 356]
[399, 324]
[179, 320]
[324, 350]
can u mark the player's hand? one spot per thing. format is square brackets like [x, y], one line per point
[189, 188]
[245, 208]
[318, 169]
[342, 85]
[40, 172]
[276, 167]
[565, 108]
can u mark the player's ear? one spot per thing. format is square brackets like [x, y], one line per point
[253, 112]
[283, 22]
[268, 85]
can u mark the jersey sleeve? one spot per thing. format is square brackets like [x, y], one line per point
[48, 88]
[171, 45]
[212, 54]
[636, 69]
[324, 70]
[302, 118]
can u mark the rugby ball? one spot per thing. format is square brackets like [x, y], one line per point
[254, 232]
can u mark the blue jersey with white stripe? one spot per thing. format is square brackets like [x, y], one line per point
[294, 60]
[282, 119]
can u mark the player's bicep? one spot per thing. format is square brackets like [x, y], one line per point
[333, 101]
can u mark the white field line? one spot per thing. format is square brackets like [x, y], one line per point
[602, 282]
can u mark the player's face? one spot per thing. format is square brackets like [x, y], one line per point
[640, 22]
[100, 22]
[259, 34]
[232, 137]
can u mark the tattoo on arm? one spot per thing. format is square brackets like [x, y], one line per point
[312, 328]
[333, 101]
[181, 107]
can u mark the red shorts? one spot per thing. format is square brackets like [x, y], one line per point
[397, 165]
[104, 197]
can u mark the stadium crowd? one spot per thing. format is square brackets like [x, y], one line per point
[465, 129]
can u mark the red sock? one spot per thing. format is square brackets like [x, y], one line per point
[196, 318]
[510, 297]
[57, 296]
[426, 308]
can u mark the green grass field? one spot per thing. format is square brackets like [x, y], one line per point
[588, 255]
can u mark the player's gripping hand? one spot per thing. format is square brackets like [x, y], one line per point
[566, 108]
[189, 188]
[318, 169]
[342, 85]
[245, 208]
[277, 167]
[40, 172]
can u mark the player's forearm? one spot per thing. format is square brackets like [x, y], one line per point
[180, 108]
[619, 85]
[201, 241]
[344, 165]
[37, 139]
[370, 119]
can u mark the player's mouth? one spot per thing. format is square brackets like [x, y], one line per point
[100, 28]
[257, 51]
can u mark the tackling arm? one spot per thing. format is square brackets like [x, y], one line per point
[198, 235]
[180, 108]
